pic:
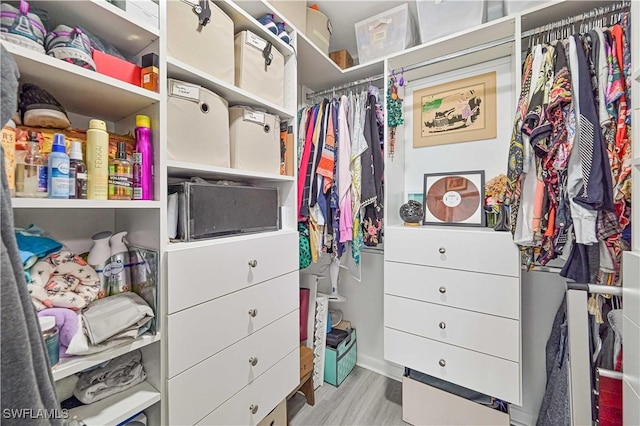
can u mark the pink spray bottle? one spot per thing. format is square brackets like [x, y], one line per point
[143, 160]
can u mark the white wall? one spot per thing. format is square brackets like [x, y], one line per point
[489, 155]
[542, 293]
[364, 308]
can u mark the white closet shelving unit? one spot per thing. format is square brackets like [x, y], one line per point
[457, 51]
[316, 70]
[86, 94]
[180, 363]
[229, 300]
[434, 322]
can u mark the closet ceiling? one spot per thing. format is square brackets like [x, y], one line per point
[344, 14]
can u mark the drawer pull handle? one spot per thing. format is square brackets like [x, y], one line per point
[442, 290]
[253, 361]
[442, 363]
[442, 325]
[253, 313]
[253, 408]
[253, 263]
[442, 250]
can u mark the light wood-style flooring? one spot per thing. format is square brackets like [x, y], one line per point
[365, 398]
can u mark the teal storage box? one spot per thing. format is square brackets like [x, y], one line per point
[338, 363]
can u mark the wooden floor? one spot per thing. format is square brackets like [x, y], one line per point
[364, 398]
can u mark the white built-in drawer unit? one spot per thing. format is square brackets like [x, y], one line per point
[444, 408]
[255, 401]
[631, 342]
[202, 273]
[195, 393]
[631, 337]
[631, 404]
[474, 370]
[631, 285]
[484, 333]
[466, 290]
[481, 250]
[202, 331]
[452, 306]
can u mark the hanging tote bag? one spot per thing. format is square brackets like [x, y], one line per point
[305, 245]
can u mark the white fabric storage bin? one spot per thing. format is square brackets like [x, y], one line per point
[439, 18]
[318, 29]
[198, 125]
[517, 6]
[255, 140]
[253, 72]
[384, 34]
[208, 48]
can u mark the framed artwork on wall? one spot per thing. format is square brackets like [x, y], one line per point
[458, 111]
[455, 198]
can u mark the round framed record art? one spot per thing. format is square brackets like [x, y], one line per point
[454, 198]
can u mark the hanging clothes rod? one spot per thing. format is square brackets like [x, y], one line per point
[610, 374]
[346, 86]
[540, 268]
[597, 12]
[596, 288]
[457, 54]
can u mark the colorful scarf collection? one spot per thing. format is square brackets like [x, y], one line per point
[569, 170]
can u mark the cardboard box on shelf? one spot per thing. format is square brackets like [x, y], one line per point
[117, 68]
[342, 58]
[45, 138]
[278, 417]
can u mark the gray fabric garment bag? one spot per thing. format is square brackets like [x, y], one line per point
[27, 383]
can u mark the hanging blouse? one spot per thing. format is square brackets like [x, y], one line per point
[344, 174]
[516, 147]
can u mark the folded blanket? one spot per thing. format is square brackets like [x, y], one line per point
[80, 344]
[115, 376]
[65, 387]
[63, 280]
[109, 317]
[67, 324]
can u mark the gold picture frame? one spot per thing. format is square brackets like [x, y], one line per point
[458, 111]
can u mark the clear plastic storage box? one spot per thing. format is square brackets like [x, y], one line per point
[384, 34]
[440, 18]
[517, 6]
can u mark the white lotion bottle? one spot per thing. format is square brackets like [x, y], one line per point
[118, 271]
[98, 257]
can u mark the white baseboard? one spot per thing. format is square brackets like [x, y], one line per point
[381, 366]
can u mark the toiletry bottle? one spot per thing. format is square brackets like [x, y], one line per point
[51, 337]
[31, 171]
[97, 160]
[58, 172]
[149, 76]
[118, 270]
[9, 145]
[77, 173]
[98, 257]
[143, 160]
[121, 175]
